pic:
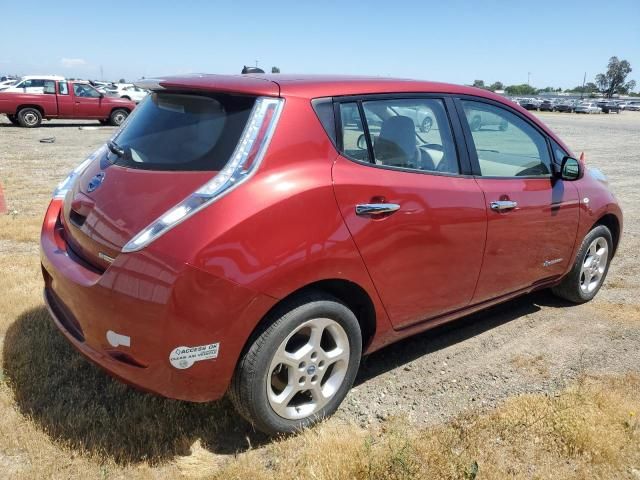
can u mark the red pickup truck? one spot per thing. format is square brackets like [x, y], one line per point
[64, 99]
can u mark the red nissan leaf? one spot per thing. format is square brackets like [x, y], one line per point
[256, 235]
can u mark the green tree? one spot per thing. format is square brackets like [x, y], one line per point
[478, 83]
[122, 80]
[496, 86]
[275, 70]
[522, 89]
[613, 80]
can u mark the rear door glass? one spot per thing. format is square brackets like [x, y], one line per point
[174, 131]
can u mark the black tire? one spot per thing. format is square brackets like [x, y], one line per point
[104, 122]
[13, 119]
[570, 287]
[426, 124]
[118, 116]
[29, 117]
[252, 378]
[126, 97]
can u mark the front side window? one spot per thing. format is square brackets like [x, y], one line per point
[83, 90]
[405, 133]
[506, 145]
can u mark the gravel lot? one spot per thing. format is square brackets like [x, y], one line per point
[533, 344]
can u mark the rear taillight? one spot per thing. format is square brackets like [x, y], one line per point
[243, 162]
[65, 185]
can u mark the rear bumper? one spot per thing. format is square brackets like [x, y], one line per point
[150, 304]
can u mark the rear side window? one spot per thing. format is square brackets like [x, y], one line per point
[354, 143]
[64, 88]
[171, 131]
[506, 145]
[404, 133]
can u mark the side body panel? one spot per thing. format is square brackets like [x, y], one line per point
[531, 243]
[424, 258]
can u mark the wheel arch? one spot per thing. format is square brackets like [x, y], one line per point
[612, 222]
[352, 295]
[28, 105]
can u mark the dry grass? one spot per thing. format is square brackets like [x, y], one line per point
[19, 228]
[588, 431]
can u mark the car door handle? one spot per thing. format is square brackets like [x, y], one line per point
[501, 205]
[367, 209]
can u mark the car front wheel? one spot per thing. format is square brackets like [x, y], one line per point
[300, 368]
[590, 268]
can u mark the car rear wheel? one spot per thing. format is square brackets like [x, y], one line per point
[299, 369]
[118, 117]
[590, 268]
[13, 119]
[29, 117]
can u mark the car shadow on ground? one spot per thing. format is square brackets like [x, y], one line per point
[80, 406]
[454, 332]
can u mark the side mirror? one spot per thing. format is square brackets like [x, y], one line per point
[571, 169]
[362, 142]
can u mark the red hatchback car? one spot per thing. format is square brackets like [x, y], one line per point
[257, 234]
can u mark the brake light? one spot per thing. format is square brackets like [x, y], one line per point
[244, 161]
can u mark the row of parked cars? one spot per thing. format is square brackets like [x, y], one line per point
[577, 106]
[36, 84]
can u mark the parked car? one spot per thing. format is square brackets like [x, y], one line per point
[587, 107]
[6, 84]
[608, 107]
[127, 91]
[633, 106]
[31, 84]
[63, 99]
[547, 106]
[235, 235]
[530, 104]
[566, 106]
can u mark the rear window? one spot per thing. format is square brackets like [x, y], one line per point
[177, 131]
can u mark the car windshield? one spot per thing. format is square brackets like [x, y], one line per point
[170, 131]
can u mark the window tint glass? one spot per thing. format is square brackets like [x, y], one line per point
[507, 145]
[353, 141]
[64, 88]
[83, 90]
[49, 87]
[411, 133]
[182, 132]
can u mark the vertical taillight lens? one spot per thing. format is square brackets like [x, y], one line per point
[243, 162]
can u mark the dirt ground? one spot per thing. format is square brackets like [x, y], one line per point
[535, 344]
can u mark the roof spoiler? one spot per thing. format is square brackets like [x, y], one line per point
[150, 84]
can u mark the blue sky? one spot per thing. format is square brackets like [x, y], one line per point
[450, 41]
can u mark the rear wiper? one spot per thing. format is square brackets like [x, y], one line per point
[115, 148]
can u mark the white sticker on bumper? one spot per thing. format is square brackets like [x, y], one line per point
[185, 357]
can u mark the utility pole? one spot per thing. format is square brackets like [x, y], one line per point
[101, 73]
[529, 78]
[256, 63]
[584, 79]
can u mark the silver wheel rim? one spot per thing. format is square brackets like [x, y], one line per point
[594, 265]
[308, 368]
[30, 118]
[119, 118]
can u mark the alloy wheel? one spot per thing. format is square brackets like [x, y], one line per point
[308, 368]
[594, 265]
